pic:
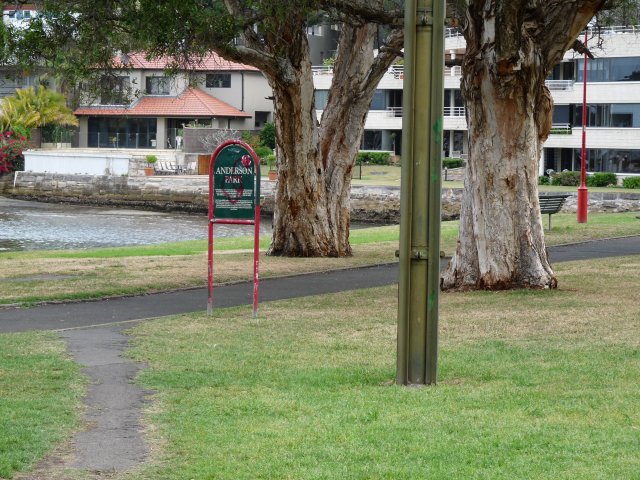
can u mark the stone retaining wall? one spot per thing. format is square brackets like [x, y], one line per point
[373, 204]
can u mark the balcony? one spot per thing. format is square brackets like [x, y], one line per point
[395, 71]
[561, 129]
[454, 111]
[560, 85]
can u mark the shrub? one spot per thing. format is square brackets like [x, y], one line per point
[452, 162]
[151, 159]
[374, 158]
[602, 179]
[543, 180]
[631, 182]
[251, 139]
[567, 179]
[11, 148]
[263, 152]
[268, 135]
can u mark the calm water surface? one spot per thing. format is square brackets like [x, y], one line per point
[38, 226]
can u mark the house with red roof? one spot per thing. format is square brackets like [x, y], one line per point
[142, 106]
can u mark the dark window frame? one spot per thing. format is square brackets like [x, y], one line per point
[161, 86]
[218, 80]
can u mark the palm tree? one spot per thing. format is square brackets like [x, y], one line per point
[29, 108]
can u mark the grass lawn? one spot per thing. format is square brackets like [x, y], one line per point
[30, 277]
[532, 384]
[40, 390]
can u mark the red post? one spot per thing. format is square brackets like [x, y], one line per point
[235, 221]
[210, 247]
[583, 194]
[256, 257]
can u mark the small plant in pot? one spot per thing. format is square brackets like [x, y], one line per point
[149, 169]
[273, 172]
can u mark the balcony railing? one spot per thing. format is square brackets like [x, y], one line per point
[396, 71]
[394, 111]
[613, 30]
[454, 111]
[322, 70]
[452, 32]
[560, 85]
[561, 129]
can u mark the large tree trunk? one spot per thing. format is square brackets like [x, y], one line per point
[312, 211]
[501, 242]
[301, 224]
[511, 46]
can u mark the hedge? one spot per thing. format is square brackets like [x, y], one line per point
[631, 182]
[374, 158]
[566, 179]
[602, 179]
[452, 162]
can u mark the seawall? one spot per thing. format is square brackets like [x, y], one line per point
[374, 204]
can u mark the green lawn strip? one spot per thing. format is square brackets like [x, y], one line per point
[549, 391]
[40, 392]
[144, 269]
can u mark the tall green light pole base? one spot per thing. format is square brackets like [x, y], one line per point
[419, 283]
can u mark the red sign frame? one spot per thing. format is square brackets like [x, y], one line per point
[235, 221]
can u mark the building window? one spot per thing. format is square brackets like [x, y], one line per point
[261, 118]
[609, 160]
[378, 102]
[623, 69]
[157, 86]
[315, 30]
[616, 115]
[109, 132]
[218, 80]
[372, 140]
[114, 90]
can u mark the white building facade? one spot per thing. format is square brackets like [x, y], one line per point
[613, 112]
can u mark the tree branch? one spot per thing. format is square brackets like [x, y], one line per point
[562, 23]
[363, 11]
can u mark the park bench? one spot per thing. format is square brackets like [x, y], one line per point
[551, 204]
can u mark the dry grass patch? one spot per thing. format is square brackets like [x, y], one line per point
[97, 277]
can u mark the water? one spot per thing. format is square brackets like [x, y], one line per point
[39, 226]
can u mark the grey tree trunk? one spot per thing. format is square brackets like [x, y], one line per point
[510, 50]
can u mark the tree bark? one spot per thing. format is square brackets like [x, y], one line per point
[312, 202]
[501, 242]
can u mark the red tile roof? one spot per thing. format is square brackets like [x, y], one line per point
[16, 6]
[211, 62]
[190, 103]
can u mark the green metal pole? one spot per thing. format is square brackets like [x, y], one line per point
[419, 282]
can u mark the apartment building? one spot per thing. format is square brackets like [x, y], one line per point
[613, 106]
[383, 127]
[613, 113]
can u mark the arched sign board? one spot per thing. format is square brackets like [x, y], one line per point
[234, 199]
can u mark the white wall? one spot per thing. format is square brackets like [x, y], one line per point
[70, 162]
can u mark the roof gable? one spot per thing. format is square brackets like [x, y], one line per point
[193, 102]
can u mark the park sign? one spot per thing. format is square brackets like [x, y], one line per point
[234, 199]
[236, 185]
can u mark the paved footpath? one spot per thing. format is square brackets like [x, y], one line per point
[84, 314]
